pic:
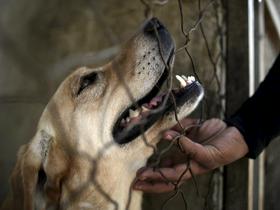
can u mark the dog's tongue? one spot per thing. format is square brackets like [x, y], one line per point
[154, 102]
[135, 119]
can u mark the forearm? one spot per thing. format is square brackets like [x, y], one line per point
[258, 120]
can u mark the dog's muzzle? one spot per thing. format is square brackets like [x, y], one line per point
[156, 30]
[138, 117]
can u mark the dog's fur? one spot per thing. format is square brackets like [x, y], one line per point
[73, 162]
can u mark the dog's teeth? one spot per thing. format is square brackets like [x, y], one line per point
[131, 113]
[127, 120]
[123, 121]
[181, 80]
[190, 79]
[134, 113]
[184, 77]
[144, 109]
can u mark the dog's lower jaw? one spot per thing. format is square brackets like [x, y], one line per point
[139, 150]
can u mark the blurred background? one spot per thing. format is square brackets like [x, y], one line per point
[232, 45]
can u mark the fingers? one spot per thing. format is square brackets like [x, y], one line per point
[160, 180]
[170, 135]
[185, 123]
[162, 174]
[166, 163]
[191, 148]
[172, 174]
[150, 187]
[165, 179]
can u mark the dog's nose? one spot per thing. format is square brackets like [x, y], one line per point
[152, 25]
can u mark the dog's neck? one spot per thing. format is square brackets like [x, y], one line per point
[117, 192]
[113, 179]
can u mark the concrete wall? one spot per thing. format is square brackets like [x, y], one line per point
[42, 41]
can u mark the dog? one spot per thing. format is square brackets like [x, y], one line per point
[98, 128]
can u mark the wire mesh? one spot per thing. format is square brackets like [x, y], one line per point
[217, 68]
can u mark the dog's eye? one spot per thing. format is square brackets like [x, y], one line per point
[87, 81]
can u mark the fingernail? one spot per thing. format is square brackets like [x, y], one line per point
[142, 178]
[137, 186]
[168, 137]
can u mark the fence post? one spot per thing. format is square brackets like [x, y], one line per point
[236, 182]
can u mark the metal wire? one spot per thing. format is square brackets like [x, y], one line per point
[159, 154]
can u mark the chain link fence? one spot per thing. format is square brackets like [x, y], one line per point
[34, 63]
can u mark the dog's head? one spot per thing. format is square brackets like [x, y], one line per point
[105, 111]
[121, 100]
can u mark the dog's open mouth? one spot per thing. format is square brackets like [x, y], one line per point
[139, 117]
[142, 114]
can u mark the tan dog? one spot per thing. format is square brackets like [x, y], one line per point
[88, 145]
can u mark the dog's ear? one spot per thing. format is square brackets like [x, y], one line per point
[36, 178]
[24, 179]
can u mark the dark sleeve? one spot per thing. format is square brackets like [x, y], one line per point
[258, 119]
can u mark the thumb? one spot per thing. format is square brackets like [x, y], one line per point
[204, 156]
[190, 147]
[170, 135]
[185, 123]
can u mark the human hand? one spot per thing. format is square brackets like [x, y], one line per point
[214, 145]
